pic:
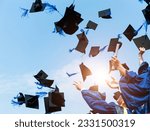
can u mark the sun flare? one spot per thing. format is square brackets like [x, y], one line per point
[99, 74]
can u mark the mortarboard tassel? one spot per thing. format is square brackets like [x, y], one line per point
[136, 32]
[86, 32]
[25, 12]
[14, 102]
[82, 30]
[71, 50]
[39, 85]
[41, 94]
[119, 36]
[51, 8]
[56, 88]
[60, 32]
[103, 48]
[146, 27]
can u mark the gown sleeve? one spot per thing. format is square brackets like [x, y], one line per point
[135, 88]
[99, 105]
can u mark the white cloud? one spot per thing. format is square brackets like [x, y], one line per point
[75, 104]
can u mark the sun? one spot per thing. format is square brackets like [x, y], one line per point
[99, 74]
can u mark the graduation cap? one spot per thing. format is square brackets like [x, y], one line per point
[125, 66]
[50, 107]
[85, 71]
[82, 44]
[106, 14]
[114, 46]
[91, 25]
[130, 32]
[37, 6]
[41, 75]
[58, 98]
[146, 13]
[116, 95]
[94, 51]
[142, 41]
[32, 101]
[54, 101]
[70, 21]
[46, 82]
[21, 98]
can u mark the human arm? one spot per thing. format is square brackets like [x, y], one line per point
[112, 83]
[79, 85]
[95, 101]
[116, 63]
[140, 55]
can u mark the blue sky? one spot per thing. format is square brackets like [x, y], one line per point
[28, 45]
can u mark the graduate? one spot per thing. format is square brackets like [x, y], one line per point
[97, 103]
[135, 88]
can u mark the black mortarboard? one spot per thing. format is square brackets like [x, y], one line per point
[32, 101]
[116, 95]
[91, 25]
[49, 106]
[106, 14]
[85, 71]
[70, 21]
[41, 75]
[21, 98]
[142, 41]
[82, 44]
[146, 13]
[94, 51]
[46, 82]
[58, 98]
[125, 66]
[130, 32]
[113, 44]
[37, 6]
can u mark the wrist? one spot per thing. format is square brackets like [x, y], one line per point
[118, 66]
